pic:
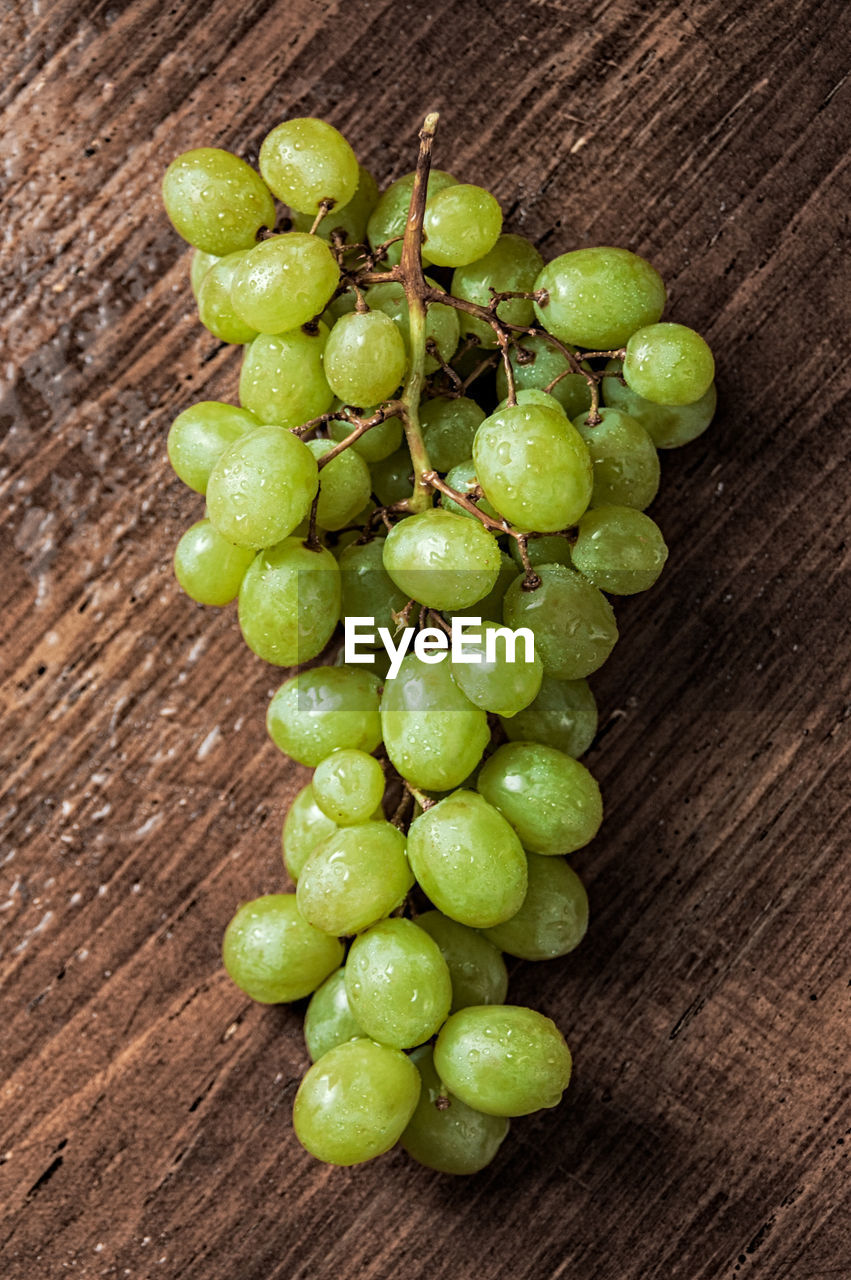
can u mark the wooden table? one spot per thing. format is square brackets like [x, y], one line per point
[146, 1104]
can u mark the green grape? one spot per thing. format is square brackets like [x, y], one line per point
[273, 954]
[550, 799]
[490, 609]
[573, 623]
[444, 1133]
[393, 477]
[216, 201]
[449, 427]
[388, 218]
[512, 265]
[534, 374]
[319, 711]
[329, 1020]
[306, 161]
[620, 550]
[549, 549]
[441, 559]
[668, 364]
[282, 378]
[624, 458]
[468, 860]
[398, 984]
[462, 478]
[503, 683]
[215, 306]
[305, 828]
[441, 321]
[599, 297]
[198, 268]
[355, 1102]
[200, 435]
[434, 735]
[553, 919]
[368, 589]
[262, 487]
[476, 967]
[461, 224]
[379, 442]
[531, 395]
[284, 282]
[209, 569]
[350, 220]
[564, 716]
[534, 467]
[348, 786]
[289, 603]
[365, 357]
[355, 878]
[503, 1059]
[669, 426]
[344, 486]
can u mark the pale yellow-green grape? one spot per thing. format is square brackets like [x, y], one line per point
[355, 1102]
[215, 305]
[350, 220]
[289, 602]
[393, 477]
[624, 458]
[550, 799]
[344, 486]
[433, 734]
[597, 298]
[315, 712]
[398, 984]
[208, 568]
[462, 478]
[200, 435]
[261, 487]
[668, 364]
[553, 919]
[573, 623]
[460, 225]
[490, 608]
[282, 379]
[387, 220]
[512, 265]
[531, 395]
[305, 828]
[365, 357]
[537, 372]
[468, 860]
[216, 201]
[476, 967]
[620, 550]
[441, 321]
[449, 426]
[329, 1021]
[444, 1133]
[564, 716]
[355, 878]
[284, 282]
[199, 266]
[379, 442]
[368, 589]
[273, 954]
[305, 161]
[348, 786]
[505, 682]
[442, 560]
[534, 467]
[550, 549]
[503, 1060]
[669, 426]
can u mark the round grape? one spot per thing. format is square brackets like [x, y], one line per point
[210, 569]
[200, 435]
[261, 488]
[398, 984]
[442, 560]
[476, 967]
[620, 550]
[320, 711]
[449, 427]
[348, 786]
[273, 954]
[535, 364]
[374, 445]
[669, 426]
[365, 357]
[550, 799]
[388, 219]
[216, 201]
[392, 478]
[348, 221]
[564, 716]
[305, 828]
[444, 1133]
[368, 589]
[329, 1020]
[215, 305]
[553, 919]
[461, 224]
[504, 683]
[441, 321]
[282, 378]
[289, 603]
[511, 266]
[597, 298]
[284, 282]
[344, 486]
[355, 878]
[433, 734]
[624, 458]
[668, 364]
[198, 268]
[306, 161]
[573, 623]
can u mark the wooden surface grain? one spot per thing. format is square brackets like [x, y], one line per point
[145, 1105]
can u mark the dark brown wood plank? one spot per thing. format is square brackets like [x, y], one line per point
[145, 1107]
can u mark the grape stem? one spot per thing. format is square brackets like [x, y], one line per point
[531, 581]
[424, 801]
[392, 409]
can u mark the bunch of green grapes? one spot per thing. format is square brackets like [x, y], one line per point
[433, 424]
